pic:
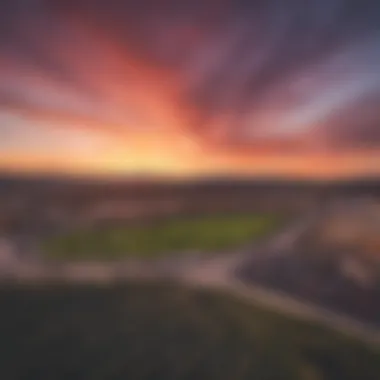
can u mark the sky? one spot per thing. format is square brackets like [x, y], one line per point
[197, 87]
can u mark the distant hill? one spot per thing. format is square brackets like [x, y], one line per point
[8, 180]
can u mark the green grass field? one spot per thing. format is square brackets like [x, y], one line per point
[161, 332]
[208, 233]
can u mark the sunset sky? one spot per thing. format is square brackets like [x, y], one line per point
[190, 87]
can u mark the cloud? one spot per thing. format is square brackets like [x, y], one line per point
[235, 73]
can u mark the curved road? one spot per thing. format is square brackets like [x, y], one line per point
[211, 271]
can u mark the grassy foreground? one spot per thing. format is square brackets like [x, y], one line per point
[162, 237]
[161, 332]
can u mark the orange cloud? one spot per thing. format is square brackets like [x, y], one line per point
[139, 108]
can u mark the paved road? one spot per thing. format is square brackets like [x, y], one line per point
[212, 271]
[218, 277]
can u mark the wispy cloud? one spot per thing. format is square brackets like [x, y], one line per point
[228, 73]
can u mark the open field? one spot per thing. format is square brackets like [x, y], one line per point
[206, 233]
[161, 331]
